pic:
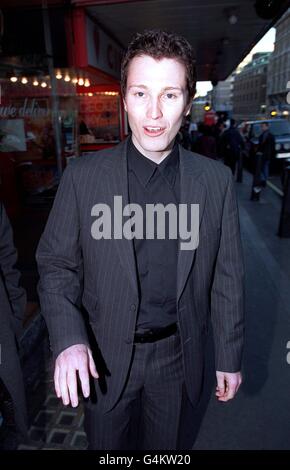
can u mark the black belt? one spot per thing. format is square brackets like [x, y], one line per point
[155, 334]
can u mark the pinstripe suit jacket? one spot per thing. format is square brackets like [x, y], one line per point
[76, 269]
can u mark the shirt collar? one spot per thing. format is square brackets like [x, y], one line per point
[144, 168]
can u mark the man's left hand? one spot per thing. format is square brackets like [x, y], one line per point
[228, 384]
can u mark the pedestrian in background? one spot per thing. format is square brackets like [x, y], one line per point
[12, 307]
[267, 148]
[232, 144]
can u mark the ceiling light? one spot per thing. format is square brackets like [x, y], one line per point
[233, 19]
[231, 15]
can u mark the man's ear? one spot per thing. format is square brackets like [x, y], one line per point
[187, 109]
[125, 106]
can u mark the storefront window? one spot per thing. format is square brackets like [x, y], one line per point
[27, 135]
[99, 117]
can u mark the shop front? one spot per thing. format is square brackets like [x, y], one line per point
[29, 174]
[85, 97]
[102, 121]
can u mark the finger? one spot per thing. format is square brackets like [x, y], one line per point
[85, 380]
[220, 385]
[230, 392]
[56, 381]
[238, 386]
[92, 366]
[72, 387]
[235, 385]
[63, 385]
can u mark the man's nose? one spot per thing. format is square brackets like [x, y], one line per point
[154, 109]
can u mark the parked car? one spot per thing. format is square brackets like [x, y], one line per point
[280, 128]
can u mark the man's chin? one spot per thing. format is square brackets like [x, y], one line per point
[161, 146]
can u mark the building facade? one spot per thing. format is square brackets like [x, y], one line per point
[278, 81]
[250, 88]
[222, 95]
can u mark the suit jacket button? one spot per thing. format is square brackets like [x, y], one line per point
[133, 307]
[128, 341]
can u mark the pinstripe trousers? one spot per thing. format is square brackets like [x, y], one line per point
[148, 413]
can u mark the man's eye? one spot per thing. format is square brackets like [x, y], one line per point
[140, 94]
[170, 96]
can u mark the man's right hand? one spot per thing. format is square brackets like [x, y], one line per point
[76, 358]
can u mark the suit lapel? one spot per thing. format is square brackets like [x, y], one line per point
[192, 191]
[117, 185]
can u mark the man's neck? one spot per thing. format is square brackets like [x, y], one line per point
[156, 157]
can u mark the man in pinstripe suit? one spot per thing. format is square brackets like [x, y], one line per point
[148, 301]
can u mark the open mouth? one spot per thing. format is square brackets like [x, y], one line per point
[154, 131]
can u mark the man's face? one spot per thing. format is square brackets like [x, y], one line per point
[156, 101]
[264, 127]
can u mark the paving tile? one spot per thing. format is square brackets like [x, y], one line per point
[37, 434]
[57, 436]
[51, 448]
[79, 440]
[66, 418]
[81, 421]
[52, 401]
[26, 447]
[44, 418]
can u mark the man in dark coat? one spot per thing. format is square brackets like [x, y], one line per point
[148, 298]
[267, 148]
[231, 144]
[12, 305]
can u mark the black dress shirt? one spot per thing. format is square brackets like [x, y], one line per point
[156, 259]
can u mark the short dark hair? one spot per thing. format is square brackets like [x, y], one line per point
[265, 123]
[159, 45]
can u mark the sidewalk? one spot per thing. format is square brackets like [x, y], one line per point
[259, 416]
[275, 183]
